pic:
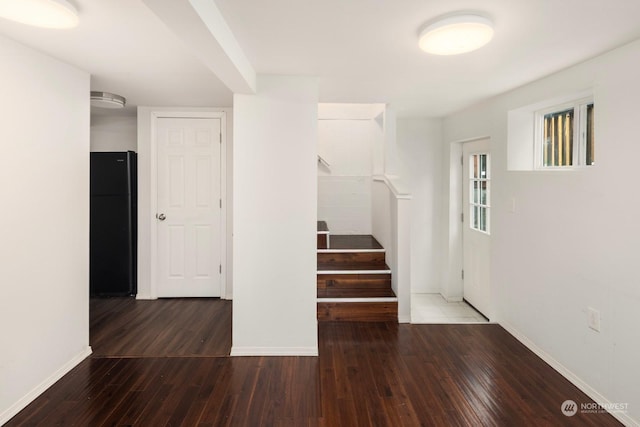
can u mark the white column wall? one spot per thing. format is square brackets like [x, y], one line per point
[565, 241]
[420, 154]
[275, 201]
[44, 223]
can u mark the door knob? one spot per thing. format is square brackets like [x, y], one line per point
[161, 217]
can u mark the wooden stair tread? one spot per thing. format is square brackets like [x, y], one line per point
[356, 241]
[350, 258]
[353, 280]
[358, 311]
[331, 292]
[330, 266]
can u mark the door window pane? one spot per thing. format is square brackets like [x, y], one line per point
[479, 192]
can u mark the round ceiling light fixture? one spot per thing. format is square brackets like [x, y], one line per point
[456, 34]
[107, 100]
[59, 14]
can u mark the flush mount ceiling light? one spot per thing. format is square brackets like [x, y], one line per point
[456, 34]
[107, 100]
[40, 13]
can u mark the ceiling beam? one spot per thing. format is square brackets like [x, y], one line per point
[201, 26]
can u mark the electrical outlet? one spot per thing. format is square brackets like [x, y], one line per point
[593, 319]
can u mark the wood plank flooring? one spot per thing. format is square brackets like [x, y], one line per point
[367, 374]
[126, 327]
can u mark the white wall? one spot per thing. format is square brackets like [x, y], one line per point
[348, 136]
[420, 154]
[114, 133]
[572, 241]
[44, 223]
[381, 221]
[392, 228]
[275, 200]
[146, 216]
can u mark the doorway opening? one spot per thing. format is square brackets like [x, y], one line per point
[468, 205]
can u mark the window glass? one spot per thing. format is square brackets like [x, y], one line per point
[558, 139]
[479, 192]
[567, 135]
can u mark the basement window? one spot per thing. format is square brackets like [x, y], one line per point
[565, 135]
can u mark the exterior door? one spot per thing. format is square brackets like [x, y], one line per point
[189, 211]
[476, 166]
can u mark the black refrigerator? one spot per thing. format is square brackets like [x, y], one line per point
[113, 224]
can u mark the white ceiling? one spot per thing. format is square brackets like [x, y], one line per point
[362, 50]
[130, 52]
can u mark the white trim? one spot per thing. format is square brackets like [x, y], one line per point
[224, 209]
[44, 385]
[354, 271]
[323, 232]
[565, 372]
[404, 319]
[452, 299]
[451, 321]
[323, 162]
[160, 114]
[274, 351]
[349, 251]
[389, 182]
[379, 299]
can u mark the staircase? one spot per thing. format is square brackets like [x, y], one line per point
[354, 282]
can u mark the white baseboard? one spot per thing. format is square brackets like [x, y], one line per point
[404, 319]
[573, 378]
[13, 410]
[274, 351]
[145, 297]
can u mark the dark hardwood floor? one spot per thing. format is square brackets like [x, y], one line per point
[126, 327]
[367, 374]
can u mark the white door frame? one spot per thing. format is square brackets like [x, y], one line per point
[155, 115]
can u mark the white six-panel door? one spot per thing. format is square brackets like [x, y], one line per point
[188, 207]
[477, 224]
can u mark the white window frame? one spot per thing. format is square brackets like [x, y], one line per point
[579, 107]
